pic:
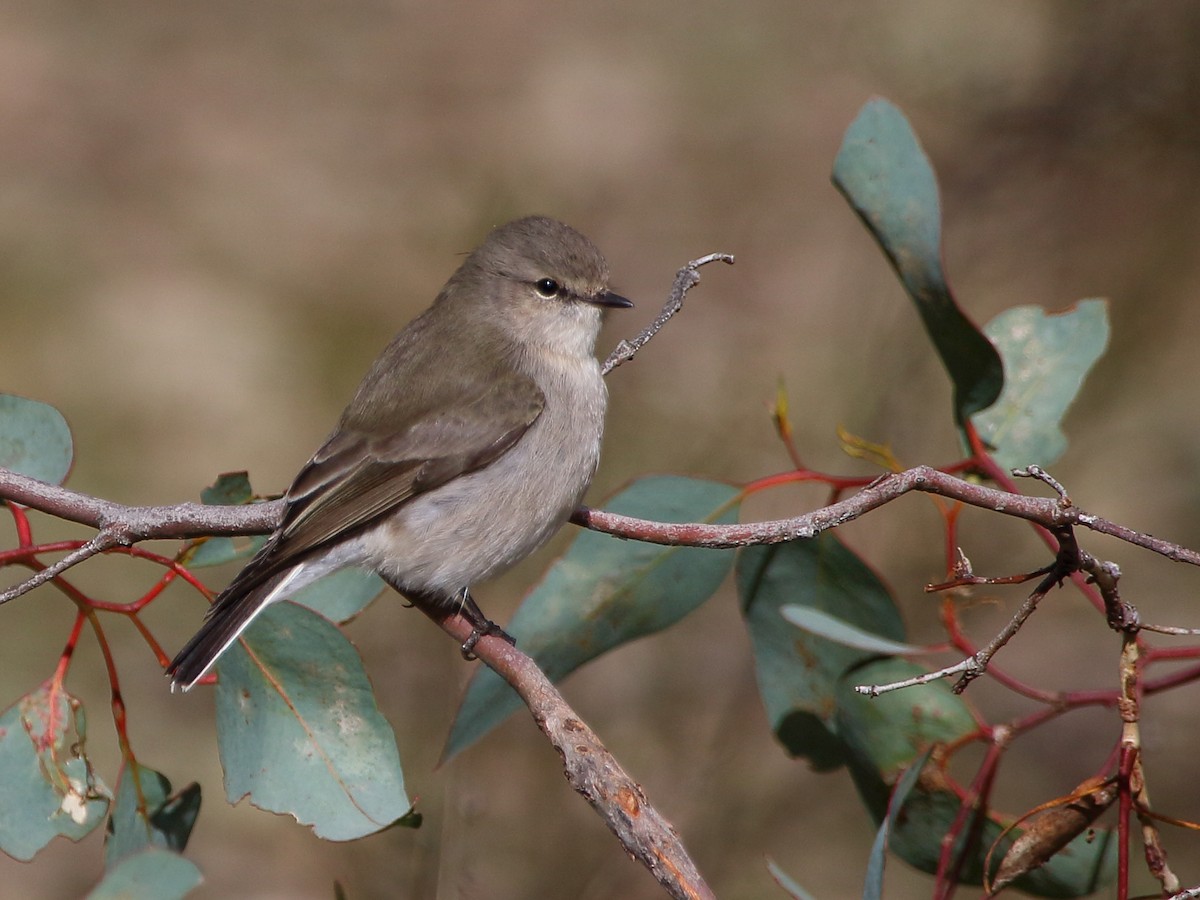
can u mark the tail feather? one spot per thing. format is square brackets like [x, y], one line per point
[228, 617]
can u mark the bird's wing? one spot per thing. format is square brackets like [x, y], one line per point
[402, 435]
[358, 477]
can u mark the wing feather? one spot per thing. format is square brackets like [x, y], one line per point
[355, 479]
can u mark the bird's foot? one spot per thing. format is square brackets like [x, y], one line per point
[484, 629]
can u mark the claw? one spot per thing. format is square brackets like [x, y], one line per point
[484, 629]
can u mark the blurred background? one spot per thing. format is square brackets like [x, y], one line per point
[212, 216]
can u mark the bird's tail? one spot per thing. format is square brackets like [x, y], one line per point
[227, 618]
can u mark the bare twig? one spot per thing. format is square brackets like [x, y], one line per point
[130, 524]
[1173, 630]
[685, 279]
[1069, 560]
[973, 666]
[118, 525]
[967, 579]
[961, 667]
[97, 544]
[589, 768]
[984, 656]
[1042, 510]
[1042, 475]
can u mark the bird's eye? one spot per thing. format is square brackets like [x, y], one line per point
[547, 287]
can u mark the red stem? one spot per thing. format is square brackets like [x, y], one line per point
[21, 523]
[970, 813]
[1125, 810]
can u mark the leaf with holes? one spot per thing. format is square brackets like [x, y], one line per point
[145, 814]
[49, 787]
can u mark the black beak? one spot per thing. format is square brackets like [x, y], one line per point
[608, 298]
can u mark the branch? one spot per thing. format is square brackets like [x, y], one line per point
[124, 525]
[130, 524]
[590, 769]
[1045, 511]
[118, 525]
[685, 279]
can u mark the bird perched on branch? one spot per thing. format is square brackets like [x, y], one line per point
[467, 445]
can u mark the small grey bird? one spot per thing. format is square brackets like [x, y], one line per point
[467, 445]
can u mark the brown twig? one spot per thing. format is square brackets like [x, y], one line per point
[1070, 559]
[590, 769]
[1044, 511]
[129, 524]
[685, 279]
[118, 525]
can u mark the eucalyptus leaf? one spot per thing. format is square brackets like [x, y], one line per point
[1046, 358]
[149, 873]
[49, 787]
[839, 631]
[35, 439]
[799, 671]
[299, 731]
[887, 179]
[146, 814]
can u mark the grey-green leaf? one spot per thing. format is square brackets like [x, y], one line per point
[49, 787]
[842, 632]
[798, 671]
[230, 489]
[790, 886]
[216, 551]
[152, 872]
[152, 818]
[877, 861]
[885, 175]
[299, 731]
[341, 595]
[606, 592]
[883, 735]
[1046, 358]
[35, 439]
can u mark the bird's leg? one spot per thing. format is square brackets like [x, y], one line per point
[481, 625]
[439, 606]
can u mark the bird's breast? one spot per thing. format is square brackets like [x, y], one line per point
[479, 524]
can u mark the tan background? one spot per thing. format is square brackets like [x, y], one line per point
[212, 216]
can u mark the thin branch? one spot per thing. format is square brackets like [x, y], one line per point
[685, 279]
[97, 544]
[1006, 634]
[962, 667]
[1050, 513]
[119, 525]
[1042, 475]
[973, 666]
[128, 524]
[590, 769]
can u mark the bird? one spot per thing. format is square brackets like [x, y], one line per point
[466, 446]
